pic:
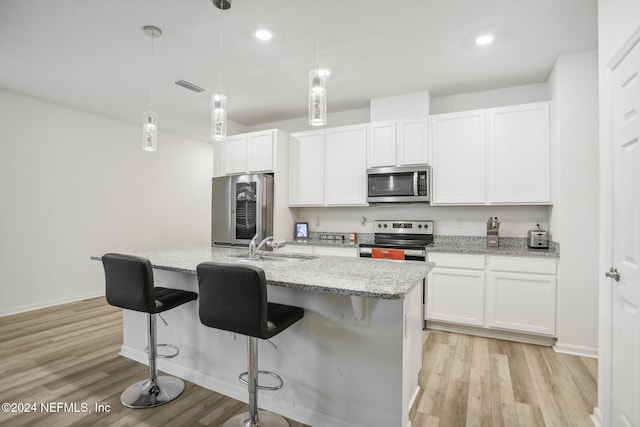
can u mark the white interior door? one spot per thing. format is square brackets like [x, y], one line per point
[625, 316]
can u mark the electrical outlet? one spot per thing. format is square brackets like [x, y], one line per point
[459, 222]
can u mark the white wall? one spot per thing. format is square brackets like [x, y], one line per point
[574, 218]
[490, 98]
[75, 184]
[300, 124]
[455, 221]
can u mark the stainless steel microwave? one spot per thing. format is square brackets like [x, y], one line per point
[405, 184]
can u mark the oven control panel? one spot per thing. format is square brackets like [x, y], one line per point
[403, 227]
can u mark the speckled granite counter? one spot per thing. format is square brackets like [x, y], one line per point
[380, 279]
[509, 246]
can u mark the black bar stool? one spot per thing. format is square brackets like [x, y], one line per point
[234, 298]
[129, 284]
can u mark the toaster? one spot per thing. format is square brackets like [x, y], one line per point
[538, 238]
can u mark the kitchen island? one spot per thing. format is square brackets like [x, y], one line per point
[353, 360]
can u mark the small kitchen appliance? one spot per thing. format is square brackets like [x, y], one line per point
[406, 184]
[538, 238]
[493, 228]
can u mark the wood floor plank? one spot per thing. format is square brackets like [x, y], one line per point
[69, 353]
[503, 408]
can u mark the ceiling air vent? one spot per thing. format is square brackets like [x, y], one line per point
[188, 85]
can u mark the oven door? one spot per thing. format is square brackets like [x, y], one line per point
[390, 252]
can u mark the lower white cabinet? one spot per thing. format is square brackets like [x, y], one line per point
[495, 292]
[455, 289]
[521, 294]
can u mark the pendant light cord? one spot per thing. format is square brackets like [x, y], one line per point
[317, 36]
[153, 38]
[220, 55]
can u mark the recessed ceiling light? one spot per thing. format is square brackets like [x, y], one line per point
[485, 39]
[263, 35]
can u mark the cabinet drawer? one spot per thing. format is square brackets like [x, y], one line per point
[457, 260]
[523, 264]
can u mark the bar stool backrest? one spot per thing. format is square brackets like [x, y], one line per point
[129, 282]
[233, 298]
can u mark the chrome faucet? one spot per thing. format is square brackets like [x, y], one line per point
[269, 241]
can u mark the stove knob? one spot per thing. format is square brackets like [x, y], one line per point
[419, 225]
[379, 225]
[385, 226]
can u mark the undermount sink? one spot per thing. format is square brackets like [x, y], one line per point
[274, 257]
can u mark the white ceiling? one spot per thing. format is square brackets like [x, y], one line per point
[93, 54]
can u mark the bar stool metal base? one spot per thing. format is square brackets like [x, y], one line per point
[147, 394]
[265, 419]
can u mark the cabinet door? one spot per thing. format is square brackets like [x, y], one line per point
[413, 148]
[234, 155]
[456, 295]
[522, 302]
[458, 143]
[345, 166]
[519, 165]
[260, 151]
[306, 168]
[381, 145]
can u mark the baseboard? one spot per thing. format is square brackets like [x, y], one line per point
[492, 333]
[50, 303]
[238, 392]
[576, 350]
[596, 417]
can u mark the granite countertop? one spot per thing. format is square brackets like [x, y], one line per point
[509, 246]
[371, 278]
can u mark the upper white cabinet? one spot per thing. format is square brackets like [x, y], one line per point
[492, 156]
[519, 147]
[459, 144]
[345, 166]
[398, 143]
[306, 169]
[247, 153]
[328, 167]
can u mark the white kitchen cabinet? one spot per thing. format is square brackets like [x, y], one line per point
[514, 294]
[459, 145]
[345, 167]
[249, 153]
[398, 143]
[306, 169]
[455, 289]
[519, 164]
[492, 156]
[328, 167]
[521, 294]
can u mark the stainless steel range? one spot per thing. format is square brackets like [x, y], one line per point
[400, 240]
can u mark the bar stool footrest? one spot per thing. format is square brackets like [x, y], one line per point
[165, 356]
[245, 374]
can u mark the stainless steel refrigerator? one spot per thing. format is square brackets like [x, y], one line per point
[241, 207]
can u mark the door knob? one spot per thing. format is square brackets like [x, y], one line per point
[613, 273]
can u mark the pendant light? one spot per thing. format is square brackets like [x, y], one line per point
[218, 100]
[150, 118]
[318, 84]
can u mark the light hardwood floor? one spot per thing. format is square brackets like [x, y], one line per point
[69, 354]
